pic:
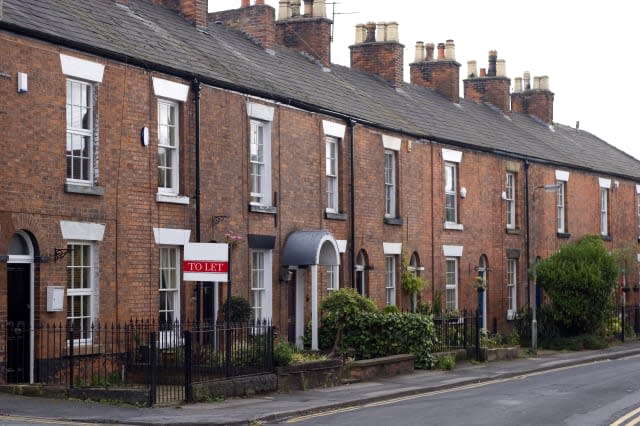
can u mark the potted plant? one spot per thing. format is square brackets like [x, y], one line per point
[480, 284]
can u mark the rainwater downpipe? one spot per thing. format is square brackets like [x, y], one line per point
[351, 123]
[196, 99]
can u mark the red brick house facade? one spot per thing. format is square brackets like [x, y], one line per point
[183, 127]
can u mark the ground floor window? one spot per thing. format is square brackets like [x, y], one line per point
[80, 289]
[261, 284]
[390, 279]
[451, 281]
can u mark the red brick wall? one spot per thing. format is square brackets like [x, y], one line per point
[443, 76]
[258, 21]
[309, 35]
[494, 90]
[385, 59]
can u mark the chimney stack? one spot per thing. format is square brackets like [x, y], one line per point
[536, 101]
[441, 74]
[194, 11]
[380, 53]
[309, 33]
[491, 86]
[257, 21]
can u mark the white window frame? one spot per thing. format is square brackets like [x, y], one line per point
[604, 211]
[390, 183]
[86, 135]
[90, 291]
[512, 287]
[390, 278]
[170, 129]
[170, 271]
[333, 277]
[510, 198]
[561, 206]
[332, 170]
[450, 191]
[260, 163]
[451, 284]
[261, 284]
[361, 273]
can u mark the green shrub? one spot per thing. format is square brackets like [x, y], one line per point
[390, 309]
[579, 280]
[447, 362]
[240, 310]
[283, 354]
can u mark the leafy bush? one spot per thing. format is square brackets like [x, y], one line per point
[447, 362]
[579, 281]
[390, 309]
[283, 354]
[240, 310]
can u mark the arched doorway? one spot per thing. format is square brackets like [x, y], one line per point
[19, 312]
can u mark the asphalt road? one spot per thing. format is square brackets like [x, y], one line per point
[600, 393]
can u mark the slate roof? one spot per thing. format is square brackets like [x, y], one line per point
[152, 36]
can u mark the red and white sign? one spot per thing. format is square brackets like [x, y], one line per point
[206, 262]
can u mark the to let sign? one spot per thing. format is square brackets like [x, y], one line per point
[206, 262]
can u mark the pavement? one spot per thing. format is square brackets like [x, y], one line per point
[277, 407]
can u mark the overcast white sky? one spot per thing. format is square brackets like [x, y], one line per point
[589, 50]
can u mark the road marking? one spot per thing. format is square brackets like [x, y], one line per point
[439, 392]
[627, 416]
[39, 420]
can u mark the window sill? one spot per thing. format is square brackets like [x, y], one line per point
[513, 231]
[563, 235]
[256, 208]
[173, 199]
[396, 221]
[453, 226]
[606, 237]
[335, 216]
[72, 188]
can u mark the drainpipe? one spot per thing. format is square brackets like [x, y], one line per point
[527, 242]
[351, 124]
[196, 99]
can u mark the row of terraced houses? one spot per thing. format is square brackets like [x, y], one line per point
[131, 128]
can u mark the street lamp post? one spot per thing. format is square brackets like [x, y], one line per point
[553, 187]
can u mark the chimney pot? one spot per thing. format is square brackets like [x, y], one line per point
[244, 3]
[308, 8]
[361, 32]
[472, 69]
[450, 50]
[430, 48]
[517, 85]
[371, 32]
[526, 80]
[381, 33]
[501, 68]
[536, 83]
[419, 51]
[284, 11]
[441, 51]
[392, 32]
[319, 9]
[259, 2]
[295, 8]
[493, 57]
[544, 82]
[483, 72]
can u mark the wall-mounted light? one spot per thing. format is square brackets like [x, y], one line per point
[23, 85]
[285, 274]
[463, 192]
[144, 136]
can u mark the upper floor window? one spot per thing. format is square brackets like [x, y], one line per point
[604, 211]
[332, 174]
[168, 147]
[80, 289]
[561, 207]
[451, 284]
[450, 192]
[390, 183]
[260, 118]
[80, 107]
[510, 198]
